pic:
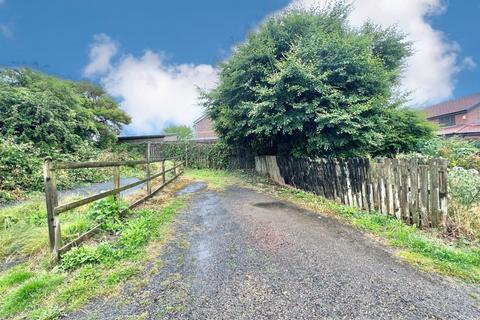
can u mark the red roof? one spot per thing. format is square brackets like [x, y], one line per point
[453, 106]
[460, 129]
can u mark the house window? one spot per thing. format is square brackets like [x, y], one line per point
[447, 121]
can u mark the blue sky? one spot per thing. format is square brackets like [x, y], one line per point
[152, 55]
[54, 35]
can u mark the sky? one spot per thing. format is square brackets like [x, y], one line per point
[152, 56]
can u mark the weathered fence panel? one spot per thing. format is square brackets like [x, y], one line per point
[403, 188]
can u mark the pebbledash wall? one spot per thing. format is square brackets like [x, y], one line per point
[403, 188]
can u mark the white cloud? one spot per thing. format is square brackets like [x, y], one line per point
[102, 50]
[469, 63]
[430, 72]
[152, 91]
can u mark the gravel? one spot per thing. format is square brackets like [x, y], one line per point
[240, 254]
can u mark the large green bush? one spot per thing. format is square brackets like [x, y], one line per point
[56, 114]
[44, 116]
[308, 84]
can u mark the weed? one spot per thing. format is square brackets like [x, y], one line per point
[107, 212]
[80, 256]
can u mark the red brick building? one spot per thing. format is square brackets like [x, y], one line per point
[459, 117]
[203, 129]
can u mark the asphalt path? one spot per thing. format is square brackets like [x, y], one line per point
[240, 254]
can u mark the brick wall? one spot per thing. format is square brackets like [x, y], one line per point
[204, 129]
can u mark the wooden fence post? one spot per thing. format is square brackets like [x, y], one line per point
[116, 181]
[423, 196]
[397, 212]
[434, 193]
[388, 189]
[186, 154]
[370, 193]
[414, 192]
[147, 169]
[405, 177]
[163, 171]
[443, 189]
[51, 199]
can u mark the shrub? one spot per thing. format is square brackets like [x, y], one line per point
[464, 203]
[458, 152]
[20, 168]
[199, 155]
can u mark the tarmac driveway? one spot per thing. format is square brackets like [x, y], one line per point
[240, 254]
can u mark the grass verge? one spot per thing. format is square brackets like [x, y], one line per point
[34, 289]
[418, 247]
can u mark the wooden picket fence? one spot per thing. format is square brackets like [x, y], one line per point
[404, 188]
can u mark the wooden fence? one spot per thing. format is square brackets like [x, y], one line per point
[54, 209]
[406, 189]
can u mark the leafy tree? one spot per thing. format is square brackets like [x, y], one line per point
[183, 132]
[308, 84]
[56, 114]
[407, 131]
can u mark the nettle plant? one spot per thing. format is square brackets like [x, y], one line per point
[107, 212]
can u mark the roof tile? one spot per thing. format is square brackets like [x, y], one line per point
[453, 106]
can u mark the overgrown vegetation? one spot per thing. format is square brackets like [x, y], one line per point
[463, 219]
[33, 290]
[309, 85]
[199, 155]
[463, 157]
[426, 250]
[44, 116]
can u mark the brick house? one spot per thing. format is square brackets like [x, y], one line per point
[203, 129]
[459, 117]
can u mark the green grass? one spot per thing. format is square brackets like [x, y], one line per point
[29, 293]
[216, 179]
[34, 290]
[425, 250]
[22, 228]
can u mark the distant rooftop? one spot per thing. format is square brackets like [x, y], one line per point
[453, 106]
[154, 136]
[146, 138]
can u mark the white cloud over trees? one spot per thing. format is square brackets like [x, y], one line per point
[154, 92]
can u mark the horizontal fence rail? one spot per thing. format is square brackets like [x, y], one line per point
[54, 209]
[404, 188]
